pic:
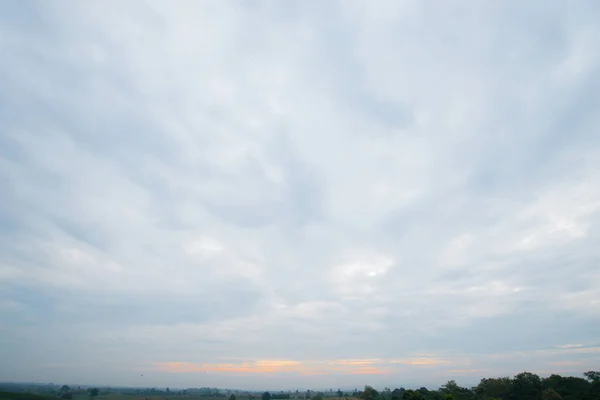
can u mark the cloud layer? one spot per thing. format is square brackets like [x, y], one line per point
[257, 193]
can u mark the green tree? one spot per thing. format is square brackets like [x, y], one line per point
[568, 386]
[526, 386]
[458, 392]
[369, 393]
[592, 376]
[266, 396]
[339, 393]
[318, 396]
[450, 387]
[550, 394]
[397, 393]
[412, 395]
[94, 392]
[494, 388]
[232, 397]
[65, 392]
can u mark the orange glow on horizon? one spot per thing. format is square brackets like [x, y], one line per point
[351, 367]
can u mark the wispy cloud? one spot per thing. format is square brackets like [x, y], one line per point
[421, 361]
[565, 363]
[569, 346]
[461, 364]
[393, 188]
[281, 366]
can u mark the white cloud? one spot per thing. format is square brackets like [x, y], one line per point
[305, 181]
[203, 246]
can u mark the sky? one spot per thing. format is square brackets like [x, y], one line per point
[298, 194]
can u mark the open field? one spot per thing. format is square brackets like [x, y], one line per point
[21, 396]
[83, 395]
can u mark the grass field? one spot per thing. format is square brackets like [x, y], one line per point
[110, 396]
[21, 396]
[83, 395]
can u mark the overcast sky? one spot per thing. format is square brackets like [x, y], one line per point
[293, 194]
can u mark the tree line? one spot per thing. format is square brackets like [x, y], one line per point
[523, 386]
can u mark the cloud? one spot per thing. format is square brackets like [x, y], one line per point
[438, 365]
[565, 363]
[275, 366]
[381, 188]
[569, 346]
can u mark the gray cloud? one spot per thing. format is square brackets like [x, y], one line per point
[186, 187]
